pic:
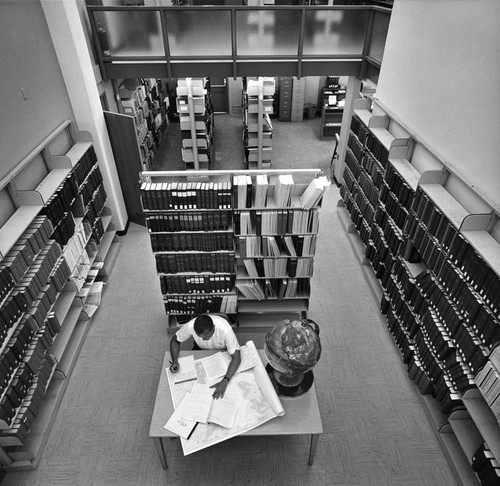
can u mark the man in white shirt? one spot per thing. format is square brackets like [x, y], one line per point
[209, 331]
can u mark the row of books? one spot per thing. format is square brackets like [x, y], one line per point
[85, 165]
[21, 363]
[356, 147]
[28, 411]
[373, 169]
[62, 199]
[377, 149]
[476, 272]
[283, 221]
[189, 221]
[26, 291]
[219, 262]
[90, 184]
[186, 195]
[196, 284]
[359, 129]
[392, 234]
[22, 254]
[393, 207]
[269, 289]
[399, 187]
[76, 245]
[278, 267]
[486, 466]
[96, 205]
[371, 192]
[201, 304]
[279, 246]
[463, 335]
[364, 206]
[488, 382]
[469, 303]
[434, 221]
[191, 241]
[352, 164]
[282, 195]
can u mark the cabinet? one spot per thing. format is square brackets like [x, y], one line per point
[196, 119]
[242, 242]
[432, 248]
[285, 99]
[57, 240]
[298, 97]
[258, 105]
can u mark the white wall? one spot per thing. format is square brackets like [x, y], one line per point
[440, 76]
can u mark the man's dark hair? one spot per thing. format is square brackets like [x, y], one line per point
[203, 323]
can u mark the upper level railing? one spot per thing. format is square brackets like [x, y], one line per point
[232, 41]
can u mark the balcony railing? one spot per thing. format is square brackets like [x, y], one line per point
[233, 41]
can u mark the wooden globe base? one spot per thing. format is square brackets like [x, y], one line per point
[299, 384]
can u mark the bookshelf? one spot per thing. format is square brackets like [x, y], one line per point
[431, 246]
[136, 134]
[257, 132]
[196, 120]
[47, 269]
[242, 241]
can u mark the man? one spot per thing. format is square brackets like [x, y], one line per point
[209, 332]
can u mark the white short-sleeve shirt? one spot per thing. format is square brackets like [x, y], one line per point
[223, 337]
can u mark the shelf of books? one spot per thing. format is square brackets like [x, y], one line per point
[45, 276]
[196, 119]
[146, 101]
[258, 100]
[432, 246]
[236, 242]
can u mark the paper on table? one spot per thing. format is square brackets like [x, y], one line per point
[248, 357]
[186, 371]
[223, 411]
[215, 365]
[198, 403]
[177, 424]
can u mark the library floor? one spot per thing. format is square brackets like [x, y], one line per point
[375, 429]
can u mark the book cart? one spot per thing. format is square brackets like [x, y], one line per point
[230, 242]
[196, 119]
[430, 248]
[56, 240]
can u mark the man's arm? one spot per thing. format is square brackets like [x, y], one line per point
[220, 388]
[175, 347]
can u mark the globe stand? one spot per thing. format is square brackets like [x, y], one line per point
[290, 385]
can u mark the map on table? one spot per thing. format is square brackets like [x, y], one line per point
[257, 401]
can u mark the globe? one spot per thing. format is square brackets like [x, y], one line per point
[292, 348]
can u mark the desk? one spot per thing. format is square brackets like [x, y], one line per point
[301, 414]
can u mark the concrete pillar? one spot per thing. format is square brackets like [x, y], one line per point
[67, 34]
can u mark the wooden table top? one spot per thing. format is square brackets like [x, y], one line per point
[301, 416]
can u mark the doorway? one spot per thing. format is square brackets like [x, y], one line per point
[220, 94]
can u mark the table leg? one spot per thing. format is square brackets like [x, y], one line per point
[312, 448]
[160, 448]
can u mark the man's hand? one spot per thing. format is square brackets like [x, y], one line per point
[220, 388]
[174, 367]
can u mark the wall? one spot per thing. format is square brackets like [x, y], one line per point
[28, 63]
[439, 77]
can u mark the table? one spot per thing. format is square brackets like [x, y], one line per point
[301, 417]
